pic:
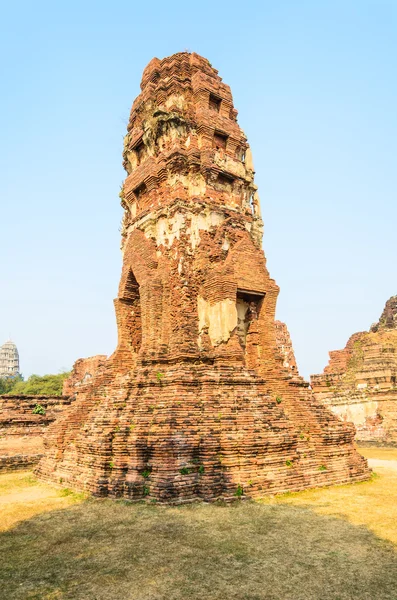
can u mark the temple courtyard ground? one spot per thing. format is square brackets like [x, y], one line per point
[336, 543]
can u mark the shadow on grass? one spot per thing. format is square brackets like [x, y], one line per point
[107, 550]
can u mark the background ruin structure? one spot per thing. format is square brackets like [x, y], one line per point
[360, 382]
[195, 403]
[9, 360]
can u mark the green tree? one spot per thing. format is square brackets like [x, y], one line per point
[48, 385]
[7, 384]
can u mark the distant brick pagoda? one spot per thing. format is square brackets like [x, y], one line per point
[195, 403]
[360, 382]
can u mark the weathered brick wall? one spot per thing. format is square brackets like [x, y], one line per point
[83, 371]
[360, 382]
[196, 401]
[21, 430]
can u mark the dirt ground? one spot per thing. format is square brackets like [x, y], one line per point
[21, 445]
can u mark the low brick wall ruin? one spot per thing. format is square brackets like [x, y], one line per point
[22, 430]
[359, 382]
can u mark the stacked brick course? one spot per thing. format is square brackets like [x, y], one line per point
[359, 383]
[22, 428]
[195, 403]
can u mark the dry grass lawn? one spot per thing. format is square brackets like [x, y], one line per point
[371, 504]
[23, 497]
[328, 544]
[380, 453]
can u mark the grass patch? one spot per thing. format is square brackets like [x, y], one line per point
[11, 482]
[371, 504]
[322, 543]
[22, 497]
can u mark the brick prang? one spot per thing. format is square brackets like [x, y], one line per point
[195, 402]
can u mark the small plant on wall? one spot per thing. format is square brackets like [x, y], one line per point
[239, 491]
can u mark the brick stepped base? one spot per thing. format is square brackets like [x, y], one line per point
[170, 435]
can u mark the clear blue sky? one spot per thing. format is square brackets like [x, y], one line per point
[315, 83]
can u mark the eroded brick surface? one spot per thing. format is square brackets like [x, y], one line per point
[359, 383]
[284, 344]
[195, 402]
[83, 371]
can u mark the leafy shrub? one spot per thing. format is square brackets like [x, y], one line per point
[47, 385]
[7, 384]
[239, 492]
[38, 410]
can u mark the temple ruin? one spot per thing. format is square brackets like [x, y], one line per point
[9, 360]
[195, 402]
[359, 384]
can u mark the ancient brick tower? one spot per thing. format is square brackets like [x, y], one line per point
[195, 401]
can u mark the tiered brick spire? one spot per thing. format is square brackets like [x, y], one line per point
[195, 402]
